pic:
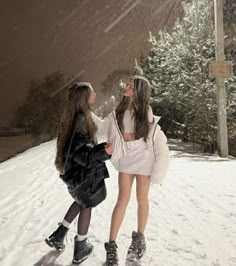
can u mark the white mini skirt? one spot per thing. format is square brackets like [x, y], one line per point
[139, 159]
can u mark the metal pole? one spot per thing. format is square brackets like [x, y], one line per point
[220, 82]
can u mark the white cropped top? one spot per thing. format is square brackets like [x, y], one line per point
[128, 120]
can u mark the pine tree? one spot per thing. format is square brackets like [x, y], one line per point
[177, 67]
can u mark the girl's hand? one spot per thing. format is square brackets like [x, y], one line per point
[108, 149]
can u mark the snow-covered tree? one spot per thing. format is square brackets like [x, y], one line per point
[177, 67]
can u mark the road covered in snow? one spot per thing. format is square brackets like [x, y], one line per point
[192, 215]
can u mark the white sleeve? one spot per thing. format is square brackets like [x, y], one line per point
[102, 126]
[150, 114]
[99, 124]
[162, 156]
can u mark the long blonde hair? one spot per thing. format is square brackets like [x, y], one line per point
[77, 100]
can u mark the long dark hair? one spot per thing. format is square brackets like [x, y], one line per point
[77, 100]
[139, 106]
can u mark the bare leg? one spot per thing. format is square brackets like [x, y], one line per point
[125, 185]
[142, 189]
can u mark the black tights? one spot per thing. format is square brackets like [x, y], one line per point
[83, 219]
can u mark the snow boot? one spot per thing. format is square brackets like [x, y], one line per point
[56, 239]
[137, 247]
[82, 249]
[111, 256]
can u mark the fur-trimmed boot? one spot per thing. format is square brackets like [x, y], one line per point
[111, 253]
[137, 247]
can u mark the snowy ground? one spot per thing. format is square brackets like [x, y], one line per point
[192, 216]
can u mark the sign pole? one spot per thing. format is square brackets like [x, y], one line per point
[220, 81]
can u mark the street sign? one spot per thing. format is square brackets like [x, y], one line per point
[221, 69]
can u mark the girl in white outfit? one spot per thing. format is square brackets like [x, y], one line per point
[139, 151]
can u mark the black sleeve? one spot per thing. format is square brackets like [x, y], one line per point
[98, 154]
[90, 154]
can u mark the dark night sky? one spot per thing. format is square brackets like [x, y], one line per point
[88, 37]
